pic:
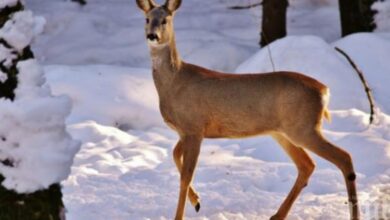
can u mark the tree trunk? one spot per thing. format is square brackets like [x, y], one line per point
[274, 21]
[356, 16]
[42, 205]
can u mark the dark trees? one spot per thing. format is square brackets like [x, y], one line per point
[8, 86]
[274, 21]
[356, 16]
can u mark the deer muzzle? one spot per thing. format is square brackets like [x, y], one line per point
[152, 37]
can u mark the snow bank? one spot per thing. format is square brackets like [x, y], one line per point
[121, 97]
[371, 53]
[111, 170]
[131, 175]
[35, 149]
[313, 57]
[110, 151]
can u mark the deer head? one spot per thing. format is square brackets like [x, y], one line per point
[159, 21]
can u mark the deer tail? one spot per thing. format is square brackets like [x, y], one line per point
[325, 102]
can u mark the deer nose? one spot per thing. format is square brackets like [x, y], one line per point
[152, 37]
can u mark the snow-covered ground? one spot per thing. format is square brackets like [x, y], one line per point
[97, 55]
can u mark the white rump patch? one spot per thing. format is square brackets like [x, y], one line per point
[325, 98]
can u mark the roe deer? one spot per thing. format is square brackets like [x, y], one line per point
[199, 103]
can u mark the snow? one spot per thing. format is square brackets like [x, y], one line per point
[383, 15]
[312, 56]
[30, 80]
[35, 141]
[122, 97]
[3, 77]
[20, 30]
[8, 3]
[34, 135]
[36, 150]
[6, 56]
[128, 170]
[98, 57]
[370, 52]
[109, 32]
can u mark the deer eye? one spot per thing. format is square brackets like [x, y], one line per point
[147, 21]
[164, 21]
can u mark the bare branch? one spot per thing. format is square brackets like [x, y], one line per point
[364, 81]
[269, 51]
[240, 7]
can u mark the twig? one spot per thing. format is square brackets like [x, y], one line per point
[269, 50]
[81, 2]
[239, 7]
[364, 81]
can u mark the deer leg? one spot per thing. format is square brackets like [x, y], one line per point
[316, 143]
[178, 156]
[305, 166]
[191, 150]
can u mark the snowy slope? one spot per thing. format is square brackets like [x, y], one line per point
[111, 31]
[313, 56]
[131, 174]
[97, 56]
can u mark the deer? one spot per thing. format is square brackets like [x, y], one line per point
[199, 103]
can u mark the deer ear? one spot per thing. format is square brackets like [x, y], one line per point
[172, 5]
[146, 5]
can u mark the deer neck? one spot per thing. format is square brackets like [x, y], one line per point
[166, 63]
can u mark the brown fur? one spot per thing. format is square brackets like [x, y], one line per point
[200, 103]
[230, 105]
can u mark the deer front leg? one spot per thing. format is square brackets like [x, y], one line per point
[178, 158]
[191, 150]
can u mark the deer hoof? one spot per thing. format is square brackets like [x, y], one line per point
[197, 207]
[352, 177]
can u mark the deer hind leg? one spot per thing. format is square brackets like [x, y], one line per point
[315, 142]
[178, 158]
[191, 150]
[305, 166]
